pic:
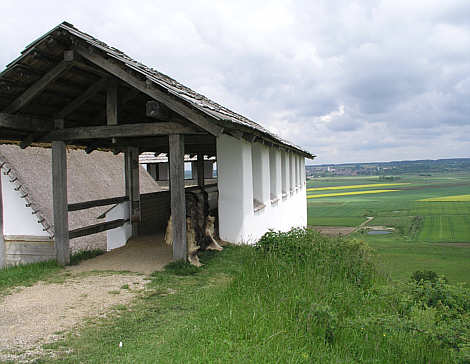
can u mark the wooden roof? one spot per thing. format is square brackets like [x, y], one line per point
[69, 75]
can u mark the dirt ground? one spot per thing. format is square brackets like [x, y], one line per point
[145, 254]
[334, 230]
[40, 314]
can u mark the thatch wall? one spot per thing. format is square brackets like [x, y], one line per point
[90, 176]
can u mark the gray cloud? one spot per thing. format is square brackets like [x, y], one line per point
[348, 80]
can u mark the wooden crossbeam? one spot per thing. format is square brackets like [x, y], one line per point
[41, 84]
[118, 131]
[95, 203]
[80, 100]
[25, 123]
[96, 228]
[168, 100]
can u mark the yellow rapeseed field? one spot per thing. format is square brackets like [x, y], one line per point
[350, 193]
[355, 186]
[456, 198]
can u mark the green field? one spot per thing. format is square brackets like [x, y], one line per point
[431, 234]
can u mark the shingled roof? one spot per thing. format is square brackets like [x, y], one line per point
[66, 34]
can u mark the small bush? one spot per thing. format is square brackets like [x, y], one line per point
[426, 275]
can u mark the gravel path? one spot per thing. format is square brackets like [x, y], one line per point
[39, 314]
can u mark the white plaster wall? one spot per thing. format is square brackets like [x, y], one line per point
[235, 188]
[238, 223]
[118, 237]
[17, 218]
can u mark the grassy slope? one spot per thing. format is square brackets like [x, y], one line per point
[314, 304]
[418, 223]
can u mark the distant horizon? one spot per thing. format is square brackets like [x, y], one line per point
[390, 161]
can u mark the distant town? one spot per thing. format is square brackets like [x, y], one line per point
[385, 169]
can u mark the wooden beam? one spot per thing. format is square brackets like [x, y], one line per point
[154, 109]
[3, 258]
[112, 102]
[118, 131]
[178, 203]
[59, 197]
[40, 85]
[200, 170]
[164, 97]
[95, 203]
[25, 123]
[96, 228]
[133, 187]
[80, 100]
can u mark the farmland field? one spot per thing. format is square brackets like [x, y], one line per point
[430, 216]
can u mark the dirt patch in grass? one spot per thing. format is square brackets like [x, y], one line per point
[333, 230]
[43, 313]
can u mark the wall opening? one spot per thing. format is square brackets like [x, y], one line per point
[188, 170]
[291, 172]
[283, 174]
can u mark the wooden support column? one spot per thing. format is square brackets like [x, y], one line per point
[132, 187]
[200, 170]
[59, 197]
[178, 203]
[3, 257]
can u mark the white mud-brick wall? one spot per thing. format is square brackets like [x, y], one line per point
[260, 188]
[26, 241]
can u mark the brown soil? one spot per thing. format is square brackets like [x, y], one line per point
[334, 230]
[145, 254]
[41, 313]
[33, 316]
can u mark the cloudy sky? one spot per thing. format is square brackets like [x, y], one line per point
[351, 81]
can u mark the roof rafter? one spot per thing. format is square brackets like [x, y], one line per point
[41, 84]
[178, 107]
[80, 100]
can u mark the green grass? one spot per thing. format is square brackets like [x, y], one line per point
[298, 298]
[26, 275]
[416, 222]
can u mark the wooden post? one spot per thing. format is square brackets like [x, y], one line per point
[59, 197]
[3, 257]
[200, 170]
[178, 203]
[133, 188]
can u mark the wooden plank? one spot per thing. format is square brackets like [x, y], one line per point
[168, 100]
[59, 197]
[95, 203]
[3, 261]
[80, 100]
[112, 102]
[38, 86]
[178, 203]
[27, 248]
[118, 131]
[96, 228]
[25, 123]
[200, 170]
